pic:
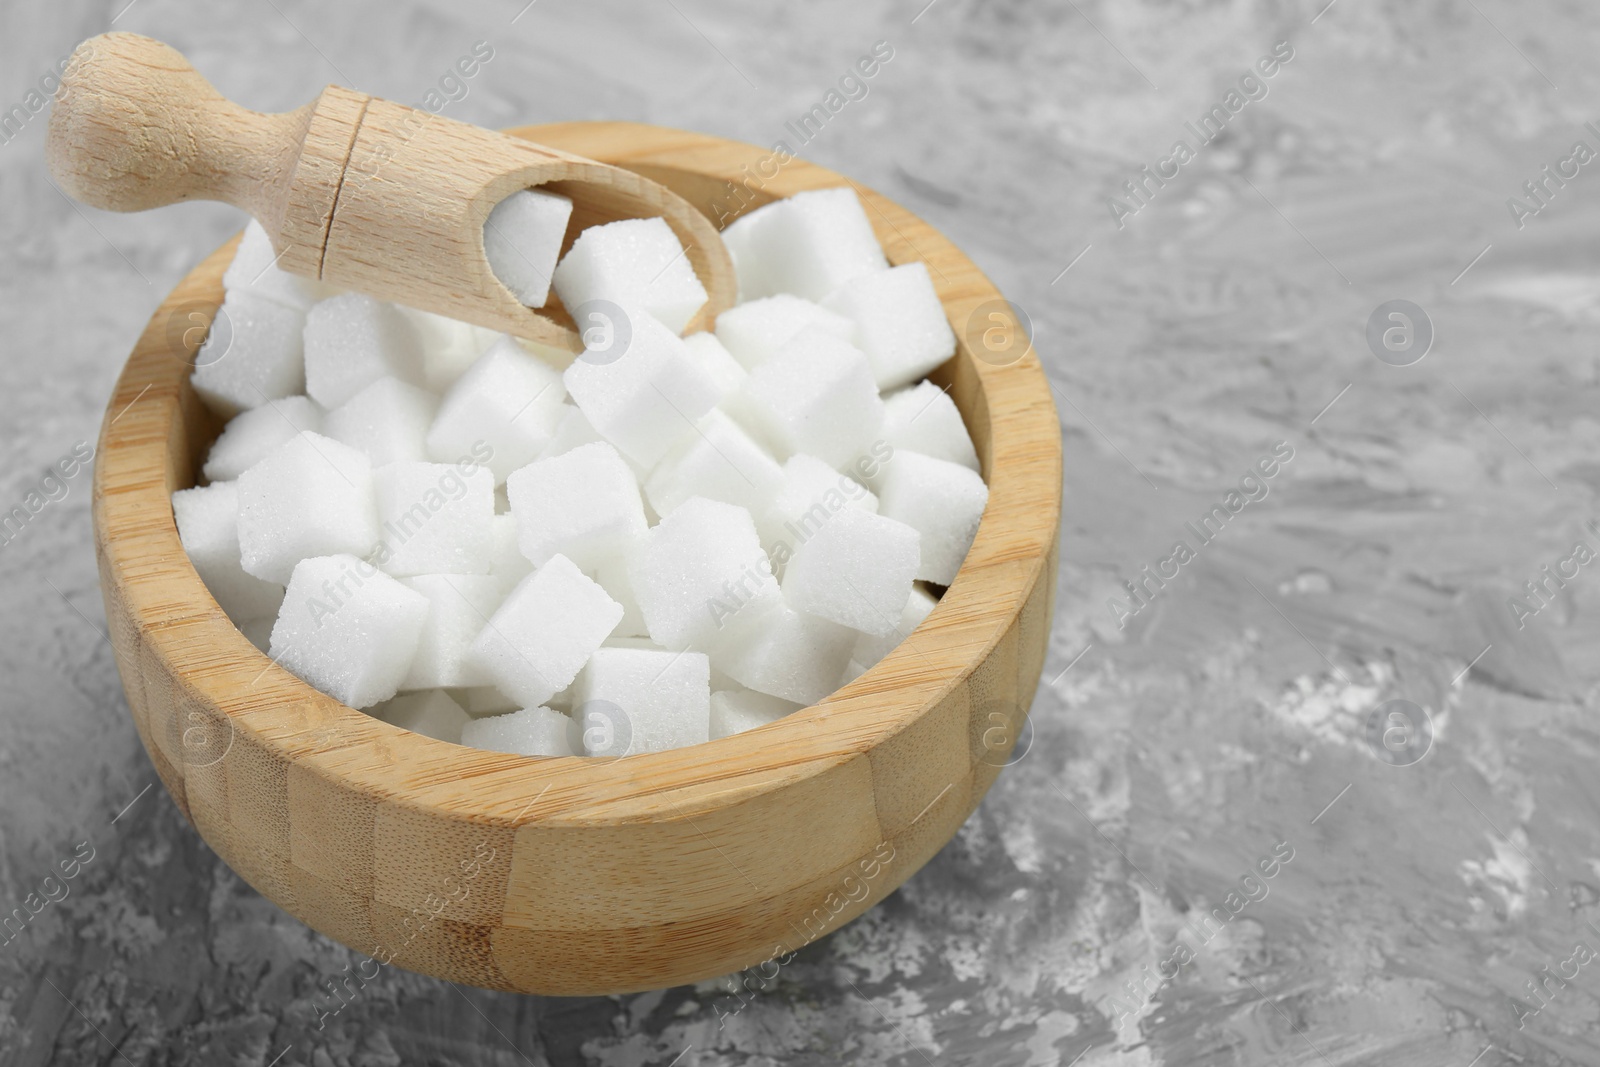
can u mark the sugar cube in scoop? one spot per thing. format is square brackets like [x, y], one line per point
[522, 239]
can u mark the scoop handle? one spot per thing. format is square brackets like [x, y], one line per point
[136, 127]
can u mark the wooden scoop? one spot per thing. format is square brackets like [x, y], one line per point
[356, 191]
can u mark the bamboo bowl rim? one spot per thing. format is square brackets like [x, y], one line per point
[235, 687]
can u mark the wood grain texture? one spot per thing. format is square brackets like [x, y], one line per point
[359, 192]
[572, 875]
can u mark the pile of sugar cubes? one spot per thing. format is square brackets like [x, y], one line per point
[661, 541]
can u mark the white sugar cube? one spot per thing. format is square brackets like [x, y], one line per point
[537, 731]
[942, 501]
[814, 242]
[811, 493]
[631, 263]
[738, 710]
[789, 654]
[387, 421]
[251, 434]
[459, 606]
[508, 401]
[870, 648]
[753, 332]
[742, 239]
[449, 346]
[254, 352]
[544, 632]
[348, 629]
[432, 714]
[583, 504]
[645, 399]
[612, 574]
[720, 462]
[208, 526]
[900, 323]
[856, 570]
[816, 396]
[506, 561]
[310, 496]
[351, 341]
[435, 518]
[522, 239]
[255, 271]
[715, 362]
[924, 419]
[700, 574]
[662, 699]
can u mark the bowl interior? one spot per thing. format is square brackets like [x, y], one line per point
[1008, 410]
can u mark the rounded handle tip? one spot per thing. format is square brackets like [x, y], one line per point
[120, 134]
[135, 126]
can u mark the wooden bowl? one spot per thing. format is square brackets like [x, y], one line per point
[571, 875]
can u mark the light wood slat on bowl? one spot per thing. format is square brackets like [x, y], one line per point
[571, 875]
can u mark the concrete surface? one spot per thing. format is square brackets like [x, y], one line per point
[1441, 910]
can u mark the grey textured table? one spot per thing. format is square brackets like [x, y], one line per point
[1110, 902]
